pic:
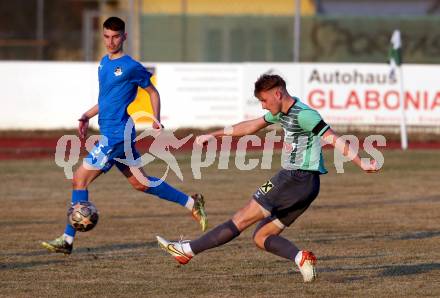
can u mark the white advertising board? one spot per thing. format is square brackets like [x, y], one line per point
[357, 94]
[46, 95]
[360, 94]
[52, 95]
[200, 95]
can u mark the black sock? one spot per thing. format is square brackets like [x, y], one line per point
[281, 247]
[218, 236]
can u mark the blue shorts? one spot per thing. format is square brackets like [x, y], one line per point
[103, 157]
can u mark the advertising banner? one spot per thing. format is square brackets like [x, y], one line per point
[356, 94]
[53, 95]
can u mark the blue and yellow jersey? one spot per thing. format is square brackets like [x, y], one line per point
[119, 80]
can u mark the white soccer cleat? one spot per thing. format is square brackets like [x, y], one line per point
[307, 266]
[175, 249]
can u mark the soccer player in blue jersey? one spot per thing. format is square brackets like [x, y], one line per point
[283, 198]
[119, 78]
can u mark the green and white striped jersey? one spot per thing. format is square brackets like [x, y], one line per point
[303, 128]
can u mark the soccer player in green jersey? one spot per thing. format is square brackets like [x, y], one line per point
[283, 198]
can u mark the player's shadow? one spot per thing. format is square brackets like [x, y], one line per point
[163, 215]
[418, 235]
[404, 236]
[349, 205]
[15, 223]
[25, 265]
[412, 269]
[96, 252]
[339, 257]
[388, 270]
[115, 247]
[85, 250]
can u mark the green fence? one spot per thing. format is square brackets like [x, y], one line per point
[270, 38]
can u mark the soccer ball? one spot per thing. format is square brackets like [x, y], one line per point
[83, 216]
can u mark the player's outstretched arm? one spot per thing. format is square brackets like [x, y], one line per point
[84, 120]
[155, 103]
[237, 130]
[347, 150]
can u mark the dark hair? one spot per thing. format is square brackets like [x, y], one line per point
[267, 81]
[115, 24]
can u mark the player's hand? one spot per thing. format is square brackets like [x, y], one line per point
[370, 166]
[157, 125]
[203, 139]
[157, 128]
[83, 126]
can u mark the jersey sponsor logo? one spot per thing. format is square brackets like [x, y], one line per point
[266, 187]
[118, 71]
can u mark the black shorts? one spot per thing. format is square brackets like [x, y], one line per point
[288, 194]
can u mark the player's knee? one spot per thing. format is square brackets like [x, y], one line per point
[139, 186]
[239, 222]
[259, 239]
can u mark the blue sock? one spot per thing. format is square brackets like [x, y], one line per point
[167, 192]
[77, 196]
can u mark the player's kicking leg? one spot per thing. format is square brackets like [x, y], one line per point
[82, 178]
[287, 195]
[175, 249]
[266, 237]
[137, 177]
[183, 251]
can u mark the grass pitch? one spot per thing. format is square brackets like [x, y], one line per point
[375, 235]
